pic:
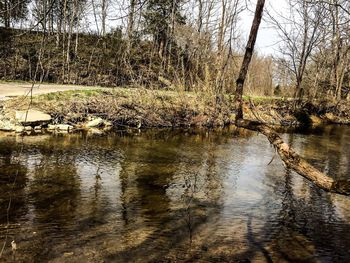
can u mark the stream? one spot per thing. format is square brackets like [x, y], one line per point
[171, 196]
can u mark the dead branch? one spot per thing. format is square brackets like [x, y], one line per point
[294, 161]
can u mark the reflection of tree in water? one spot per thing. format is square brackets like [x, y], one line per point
[13, 181]
[153, 219]
[47, 192]
[55, 187]
[307, 228]
[101, 162]
[54, 194]
[170, 204]
[202, 189]
[64, 219]
[152, 174]
[330, 150]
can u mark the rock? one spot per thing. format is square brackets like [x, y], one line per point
[68, 254]
[315, 120]
[13, 245]
[51, 127]
[288, 120]
[329, 116]
[95, 123]
[107, 123]
[7, 125]
[139, 124]
[62, 132]
[94, 131]
[60, 127]
[107, 128]
[37, 128]
[19, 129]
[64, 127]
[32, 117]
[28, 128]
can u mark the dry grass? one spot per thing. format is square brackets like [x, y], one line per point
[132, 107]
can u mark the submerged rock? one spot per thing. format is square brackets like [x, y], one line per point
[32, 117]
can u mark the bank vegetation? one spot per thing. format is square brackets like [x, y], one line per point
[177, 45]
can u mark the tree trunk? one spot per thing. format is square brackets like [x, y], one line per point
[200, 16]
[297, 163]
[247, 58]
[7, 14]
[131, 18]
[298, 94]
[222, 25]
[288, 155]
[103, 17]
[64, 15]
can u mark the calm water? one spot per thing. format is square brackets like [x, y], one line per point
[171, 196]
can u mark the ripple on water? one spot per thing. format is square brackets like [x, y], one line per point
[170, 196]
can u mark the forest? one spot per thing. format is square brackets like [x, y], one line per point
[179, 45]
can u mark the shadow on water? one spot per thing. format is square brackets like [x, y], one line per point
[173, 196]
[12, 179]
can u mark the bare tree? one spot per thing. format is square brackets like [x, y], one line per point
[287, 154]
[13, 11]
[247, 58]
[340, 45]
[131, 19]
[300, 34]
[104, 8]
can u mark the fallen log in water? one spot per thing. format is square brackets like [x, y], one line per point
[296, 162]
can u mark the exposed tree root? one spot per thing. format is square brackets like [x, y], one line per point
[296, 162]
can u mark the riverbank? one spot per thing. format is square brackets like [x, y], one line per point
[142, 108]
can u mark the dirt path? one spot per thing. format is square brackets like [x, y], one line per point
[10, 89]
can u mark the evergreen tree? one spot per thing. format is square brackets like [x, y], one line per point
[160, 18]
